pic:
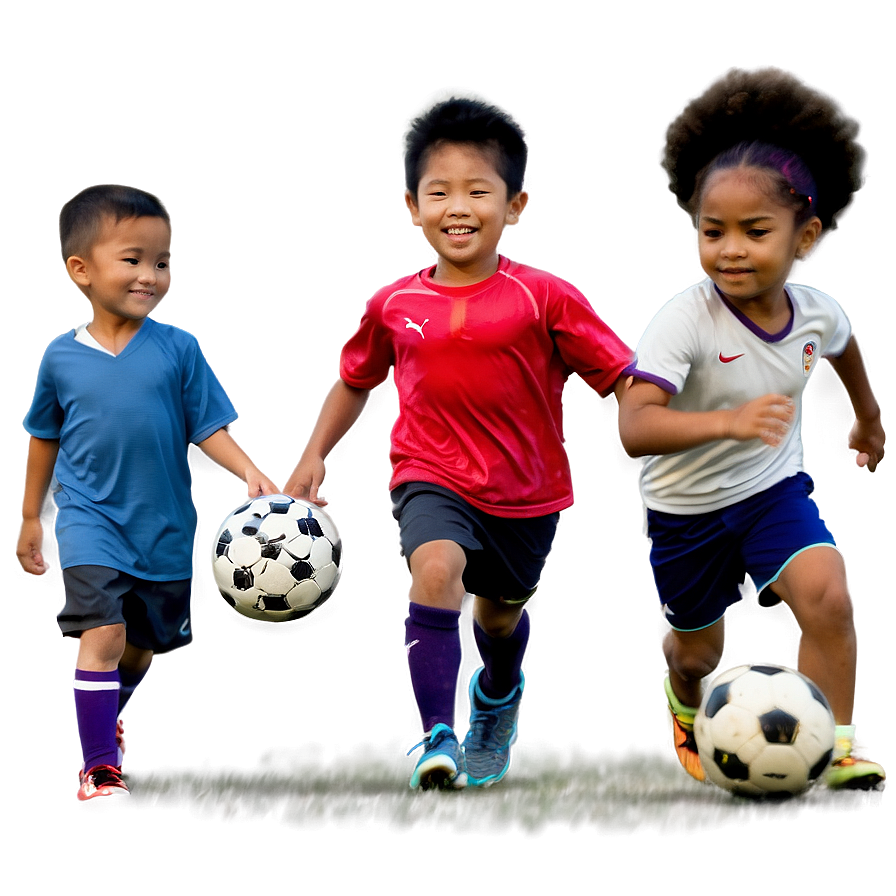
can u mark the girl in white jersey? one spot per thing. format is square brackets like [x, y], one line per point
[763, 165]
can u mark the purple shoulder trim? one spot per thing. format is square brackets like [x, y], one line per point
[665, 385]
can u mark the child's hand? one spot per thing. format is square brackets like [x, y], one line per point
[28, 549]
[306, 480]
[259, 484]
[867, 438]
[767, 417]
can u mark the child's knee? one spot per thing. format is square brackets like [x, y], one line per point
[437, 573]
[691, 658]
[135, 660]
[694, 667]
[497, 620]
[101, 648]
[829, 610]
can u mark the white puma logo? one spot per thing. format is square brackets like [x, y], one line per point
[409, 646]
[410, 325]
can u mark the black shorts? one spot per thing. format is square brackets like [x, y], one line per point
[155, 614]
[505, 556]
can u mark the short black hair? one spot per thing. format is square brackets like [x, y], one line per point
[464, 120]
[82, 216]
[744, 117]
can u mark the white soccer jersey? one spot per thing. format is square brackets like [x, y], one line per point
[709, 356]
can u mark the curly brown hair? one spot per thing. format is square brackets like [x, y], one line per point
[772, 108]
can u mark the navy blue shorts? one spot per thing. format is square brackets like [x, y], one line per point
[505, 556]
[155, 614]
[699, 561]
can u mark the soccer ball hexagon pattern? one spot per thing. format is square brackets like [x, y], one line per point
[764, 730]
[277, 558]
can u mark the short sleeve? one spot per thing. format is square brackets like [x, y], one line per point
[206, 405]
[367, 357]
[585, 343]
[667, 349]
[45, 416]
[840, 328]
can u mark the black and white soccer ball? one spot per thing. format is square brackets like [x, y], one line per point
[764, 730]
[277, 558]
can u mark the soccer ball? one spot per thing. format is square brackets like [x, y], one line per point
[764, 731]
[277, 558]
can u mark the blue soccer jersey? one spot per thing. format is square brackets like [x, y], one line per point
[124, 424]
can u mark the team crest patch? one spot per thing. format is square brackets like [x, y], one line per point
[809, 350]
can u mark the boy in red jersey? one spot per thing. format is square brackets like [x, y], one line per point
[481, 347]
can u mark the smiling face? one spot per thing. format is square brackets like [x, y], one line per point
[748, 241]
[126, 272]
[462, 206]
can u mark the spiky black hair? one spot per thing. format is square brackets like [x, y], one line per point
[465, 120]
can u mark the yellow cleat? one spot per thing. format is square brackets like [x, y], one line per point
[683, 734]
[848, 772]
[686, 747]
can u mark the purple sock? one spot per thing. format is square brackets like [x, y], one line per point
[433, 646]
[129, 682]
[96, 706]
[502, 659]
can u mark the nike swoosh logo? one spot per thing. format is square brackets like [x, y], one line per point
[727, 359]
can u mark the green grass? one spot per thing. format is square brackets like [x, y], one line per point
[624, 790]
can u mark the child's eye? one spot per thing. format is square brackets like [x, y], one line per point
[130, 261]
[712, 233]
[757, 232]
[162, 265]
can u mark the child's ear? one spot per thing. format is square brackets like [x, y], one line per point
[77, 270]
[411, 202]
[808, 238]
[515, 207]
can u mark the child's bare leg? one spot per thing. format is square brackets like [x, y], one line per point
[814, 586]
[496, 619]
[691, 656]
[132, 667]
[100, 649]
[135, 659]
[437, 569]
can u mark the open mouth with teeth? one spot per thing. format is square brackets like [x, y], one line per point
[459, 231]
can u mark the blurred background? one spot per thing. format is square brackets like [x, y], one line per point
[273, 127]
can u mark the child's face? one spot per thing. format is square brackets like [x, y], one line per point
[462, 206]
[748, 241]
[126, 273]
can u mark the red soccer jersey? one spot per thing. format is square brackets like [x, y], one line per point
[480, 371]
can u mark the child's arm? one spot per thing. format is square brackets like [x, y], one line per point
[38, 475]
[648, 426]
[340, 410]
[867, 435]
[221, 447]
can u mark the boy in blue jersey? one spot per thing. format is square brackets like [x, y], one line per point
[117, 403]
